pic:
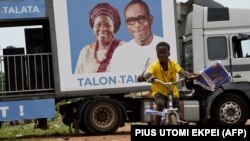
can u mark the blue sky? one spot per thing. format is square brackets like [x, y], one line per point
[231, 3]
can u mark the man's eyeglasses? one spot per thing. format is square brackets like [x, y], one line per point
[140, 19]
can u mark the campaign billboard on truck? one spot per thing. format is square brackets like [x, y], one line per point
[105, 45]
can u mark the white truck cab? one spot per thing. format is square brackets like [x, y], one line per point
[218, 33]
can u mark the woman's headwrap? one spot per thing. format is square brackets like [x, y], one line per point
[107, 10]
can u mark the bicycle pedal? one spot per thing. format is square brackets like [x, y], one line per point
[185, 122]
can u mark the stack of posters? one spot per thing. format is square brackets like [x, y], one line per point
[213, 76]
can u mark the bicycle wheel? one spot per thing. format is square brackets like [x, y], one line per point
[172, 119]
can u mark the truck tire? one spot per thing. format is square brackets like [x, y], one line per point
[229, 109]
[82, 124]
[102, 116]
[82, 127]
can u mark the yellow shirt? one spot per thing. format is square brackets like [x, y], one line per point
[165, 76]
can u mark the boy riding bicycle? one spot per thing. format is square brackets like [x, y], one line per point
[165, 70]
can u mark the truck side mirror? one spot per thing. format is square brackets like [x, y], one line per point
[242, 36]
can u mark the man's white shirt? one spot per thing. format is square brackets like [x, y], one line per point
[130, 57]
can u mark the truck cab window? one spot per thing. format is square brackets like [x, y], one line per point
[241, 47]
[217, 48]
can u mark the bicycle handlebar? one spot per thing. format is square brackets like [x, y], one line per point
[153, 79]
[168, 83]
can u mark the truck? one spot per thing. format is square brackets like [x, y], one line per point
[38, 80]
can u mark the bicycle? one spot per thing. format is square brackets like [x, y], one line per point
[169, 115]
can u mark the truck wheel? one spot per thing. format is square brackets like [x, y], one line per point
[102, 116]
[82, 127]
[229, 109]
[82, 124]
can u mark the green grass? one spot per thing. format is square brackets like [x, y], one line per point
[20, 132]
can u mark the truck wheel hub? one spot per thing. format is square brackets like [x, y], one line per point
[230, 112]
[103, 117]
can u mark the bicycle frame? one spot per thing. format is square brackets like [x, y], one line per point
[169, 115]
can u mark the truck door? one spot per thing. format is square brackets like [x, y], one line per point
[240, 56]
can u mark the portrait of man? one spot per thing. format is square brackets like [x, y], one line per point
[142, 46]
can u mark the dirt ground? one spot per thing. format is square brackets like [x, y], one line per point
[122, 134]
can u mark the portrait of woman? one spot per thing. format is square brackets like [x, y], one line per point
[105, 21]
